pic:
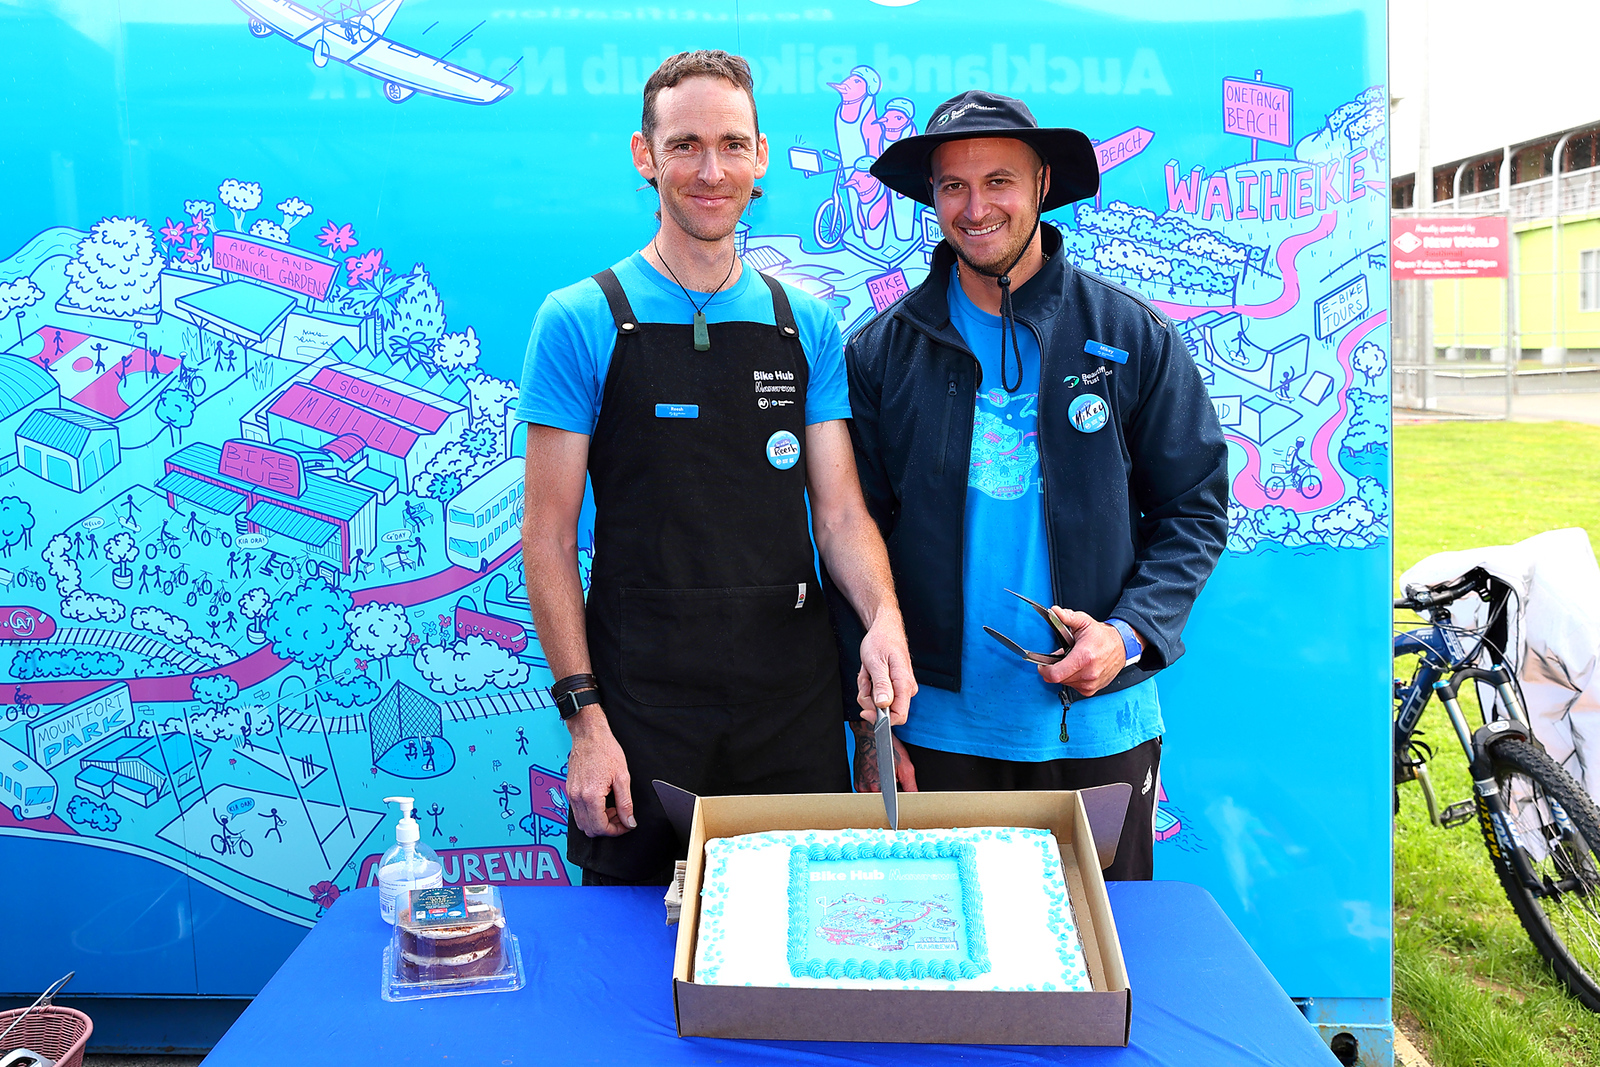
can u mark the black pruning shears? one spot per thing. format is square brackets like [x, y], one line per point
[1056, 624]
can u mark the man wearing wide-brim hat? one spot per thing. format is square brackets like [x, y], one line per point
[1023, 424]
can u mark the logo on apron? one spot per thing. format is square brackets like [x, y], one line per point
[783, 450]
[1088, 413]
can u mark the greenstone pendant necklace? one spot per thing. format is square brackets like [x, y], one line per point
[702, 336]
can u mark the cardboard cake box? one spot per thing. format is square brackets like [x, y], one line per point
[1078, 819]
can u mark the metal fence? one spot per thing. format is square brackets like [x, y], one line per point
[1461, 367]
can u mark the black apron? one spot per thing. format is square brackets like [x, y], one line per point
[706, 623]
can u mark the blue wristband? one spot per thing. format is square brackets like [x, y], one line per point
[1131, 648]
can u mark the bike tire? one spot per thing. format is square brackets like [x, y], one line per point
[1273, 487]
[1311, 487]
[1564, 925]
[245, 849]
[218, 845]
[828, 226]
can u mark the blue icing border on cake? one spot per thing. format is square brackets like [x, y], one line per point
[803, 965]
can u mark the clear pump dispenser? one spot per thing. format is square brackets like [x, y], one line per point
[408, 865]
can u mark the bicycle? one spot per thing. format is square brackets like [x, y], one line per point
[1297, 475]
[1539, 826]
[28, 576]
[279, 564]
[167, 542]
[192, 383]
[833, 214]
[206, 536]
[224, 844]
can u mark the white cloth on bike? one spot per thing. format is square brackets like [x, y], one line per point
[1553, 636]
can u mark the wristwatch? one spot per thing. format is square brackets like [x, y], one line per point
[1131, 648]
[574, 693]
[569, 704]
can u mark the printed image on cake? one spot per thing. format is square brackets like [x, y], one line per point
[448, 945]
[979, 908]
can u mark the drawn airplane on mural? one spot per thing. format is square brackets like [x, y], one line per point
[357, 40]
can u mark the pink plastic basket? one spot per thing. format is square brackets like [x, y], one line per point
[59, 1033]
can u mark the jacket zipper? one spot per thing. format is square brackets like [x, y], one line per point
[1044, 483]
[944, 438]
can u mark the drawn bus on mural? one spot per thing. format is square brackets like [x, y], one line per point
[28, 789]
[485, 518]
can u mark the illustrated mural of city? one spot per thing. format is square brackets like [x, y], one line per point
[259, 508]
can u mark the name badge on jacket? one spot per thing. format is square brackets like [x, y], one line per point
[1105, 351]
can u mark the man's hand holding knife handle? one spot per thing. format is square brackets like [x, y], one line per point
[885, 679]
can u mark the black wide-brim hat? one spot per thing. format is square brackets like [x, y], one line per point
[1074, 171]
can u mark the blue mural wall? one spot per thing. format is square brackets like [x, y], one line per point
[267, 275]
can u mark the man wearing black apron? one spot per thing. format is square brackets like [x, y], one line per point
[704, 400]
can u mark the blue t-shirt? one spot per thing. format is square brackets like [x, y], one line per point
[569, 350]
[1005, 710]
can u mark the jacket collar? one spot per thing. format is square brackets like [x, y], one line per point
[927, 307]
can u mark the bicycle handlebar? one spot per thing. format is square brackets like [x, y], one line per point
[1419, 598]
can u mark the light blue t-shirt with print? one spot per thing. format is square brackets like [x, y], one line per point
[569, 349]
[1004, 709]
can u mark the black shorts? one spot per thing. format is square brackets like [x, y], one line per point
[1140, 767]
[791, 746]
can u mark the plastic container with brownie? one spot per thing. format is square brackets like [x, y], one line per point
[449, 941]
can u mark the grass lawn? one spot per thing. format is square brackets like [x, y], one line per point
[1465, 971]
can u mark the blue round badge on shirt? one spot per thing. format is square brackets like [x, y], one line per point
[1088, 413]
[783, 450]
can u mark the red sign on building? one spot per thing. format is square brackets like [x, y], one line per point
[253, 462]
[1448, 248]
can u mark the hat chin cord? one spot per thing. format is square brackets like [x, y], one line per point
[1007, 311]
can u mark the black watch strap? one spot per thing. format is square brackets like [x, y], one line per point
[569, 704]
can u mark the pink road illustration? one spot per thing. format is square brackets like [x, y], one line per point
[1247, 487]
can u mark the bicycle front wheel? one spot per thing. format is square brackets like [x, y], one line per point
[1559, 829]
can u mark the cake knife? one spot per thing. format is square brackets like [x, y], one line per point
[886, 781]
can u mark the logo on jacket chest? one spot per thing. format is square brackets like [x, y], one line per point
[1094, 377]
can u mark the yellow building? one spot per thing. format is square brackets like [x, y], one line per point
[1556, 256]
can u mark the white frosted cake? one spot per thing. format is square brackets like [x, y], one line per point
[978, 908]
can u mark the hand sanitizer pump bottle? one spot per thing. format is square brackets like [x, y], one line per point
[406, 866]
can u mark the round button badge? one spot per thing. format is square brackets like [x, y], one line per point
[783, 450]
[1088, 413]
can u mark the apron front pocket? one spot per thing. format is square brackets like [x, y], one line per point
[698, 647]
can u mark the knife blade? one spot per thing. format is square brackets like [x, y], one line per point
[1068, 639]
[886, 780]
[1031, 657]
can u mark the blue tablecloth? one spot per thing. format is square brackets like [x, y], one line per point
[599, 965]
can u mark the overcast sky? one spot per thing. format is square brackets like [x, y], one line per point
[1500, 72]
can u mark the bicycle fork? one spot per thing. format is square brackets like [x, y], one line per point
[1501, 833]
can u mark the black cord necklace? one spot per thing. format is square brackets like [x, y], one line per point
[702, 336]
